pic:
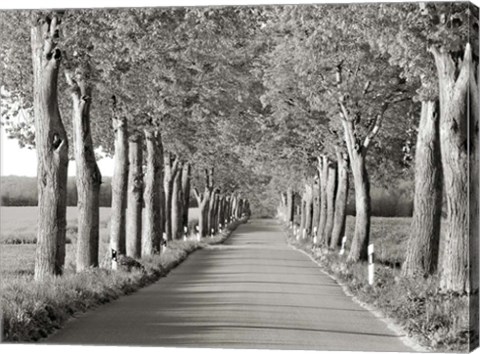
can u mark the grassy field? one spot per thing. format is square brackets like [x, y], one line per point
[18, 235]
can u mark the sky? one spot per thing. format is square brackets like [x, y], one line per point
[23, 162]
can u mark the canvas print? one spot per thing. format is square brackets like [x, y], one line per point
[260, 177]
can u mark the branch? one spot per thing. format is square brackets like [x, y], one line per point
[376, 127]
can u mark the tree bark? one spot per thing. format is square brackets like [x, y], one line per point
[88, 177]
[315, 208]
[134, 197]
[52, 150]
[323, 174]
[423, 244]
[290, 205]
[186, 193]
[119, 186]
[303, 213]
[153, 221]
[453, 93]
[331, 189]
[340, 200]
[308, 209]
[170, 167]
[176, 212]
[474, 207]
[361, 238]
[203, 201]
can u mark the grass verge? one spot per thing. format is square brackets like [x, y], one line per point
[32, 310]
[438, 321]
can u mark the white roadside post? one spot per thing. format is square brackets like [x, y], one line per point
[185, 231]
[371, 265]
[114, 260]
[315, 236]
[164, 243]
[344, 241]
[213, 231]
[304, 233]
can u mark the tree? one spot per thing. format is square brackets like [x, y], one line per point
[52, 148]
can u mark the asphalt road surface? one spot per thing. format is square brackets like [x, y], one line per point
[254, 291]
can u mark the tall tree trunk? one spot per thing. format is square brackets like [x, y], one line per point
[186, 193]
[153, 228]
[170, 167]
[119, 186]
[423, 244]
[226, 213]
[134, 199]
[233, 207]
[474, 207]
[361, 238]
[340, 200]
[303, 213]
[290, 205]
[220, 212]
[331, 185]
[176, 212]
[453, 92]
[323, 174]
[88, 177]
[52, 151]
[211, 213]
[315, 209]
[283, 207]
[308, 209]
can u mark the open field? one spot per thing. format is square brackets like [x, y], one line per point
[18, 234]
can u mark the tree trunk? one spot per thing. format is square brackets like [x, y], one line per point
[331, 185]
[290, 205]
[423, 244]
[153, 228]
[308, 209]
[88, 177]
[170, 167]
[303, 213]
[211, 213]
[315, 208]
[361, 238]
[186, 193]
[119, 187]
[176, 212]
[454, 141]
[233, 207]
[52, 151]
[134, 199]
[474, 207]
[220, 212]
[323, 174]
[340, 200]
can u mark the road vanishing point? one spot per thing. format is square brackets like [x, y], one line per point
[252, 291]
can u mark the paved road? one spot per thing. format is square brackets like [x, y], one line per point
[254, 291]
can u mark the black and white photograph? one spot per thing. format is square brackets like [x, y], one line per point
[201, 176]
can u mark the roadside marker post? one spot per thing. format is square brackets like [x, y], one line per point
[114, 260]
[197, 233]
[315, 239]
[164, 243]
[185, 231]
[371, 265]
[344, 241]
[213, 231]
[304, 233]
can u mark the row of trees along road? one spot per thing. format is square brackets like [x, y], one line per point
[143, 85]
[306, 101]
